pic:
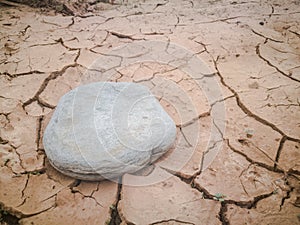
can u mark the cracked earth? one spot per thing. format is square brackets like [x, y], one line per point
[246, 173]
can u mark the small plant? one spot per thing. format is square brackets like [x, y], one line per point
[219, 197]
[249, 133]
[3, 212]
[112, 207]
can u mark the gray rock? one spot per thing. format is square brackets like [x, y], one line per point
[103, 130]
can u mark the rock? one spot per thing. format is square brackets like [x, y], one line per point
[103, 130]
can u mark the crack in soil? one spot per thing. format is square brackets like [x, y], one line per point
[288, 193]
[245, 109]
[122, 36]
[171, 220]
[193, 120]
[12, 217]
[3, 141]
[7, 217]
[115, 215]
[251, 161]
[225, 20]
[222, 214]
[185, 178]
[43, 104]
[266, 38]
[242, 204]
[278, 153]
[20, 158]
[38, 132]
[61, 41]
[23, 191]
[52, 76]
[95, 190]
[294, 32]
[273, 66]
[160, 4]
[185, 138]
[11, 76]
[75, 183]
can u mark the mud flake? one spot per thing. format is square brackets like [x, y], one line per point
[169, 199]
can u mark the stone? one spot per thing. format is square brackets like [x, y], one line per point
[103, 130]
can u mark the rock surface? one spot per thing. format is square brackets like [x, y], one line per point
[103, 130]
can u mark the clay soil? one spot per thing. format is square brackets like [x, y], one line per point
[236, 159]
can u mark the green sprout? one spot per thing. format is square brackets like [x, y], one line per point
[112, 207]
[219, 197]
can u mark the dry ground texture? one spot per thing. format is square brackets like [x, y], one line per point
[246, 173]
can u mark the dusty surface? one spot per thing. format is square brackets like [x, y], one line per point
[247, 173]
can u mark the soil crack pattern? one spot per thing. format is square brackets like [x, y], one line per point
[226, 72]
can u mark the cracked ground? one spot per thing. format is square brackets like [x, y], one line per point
[240, 168]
